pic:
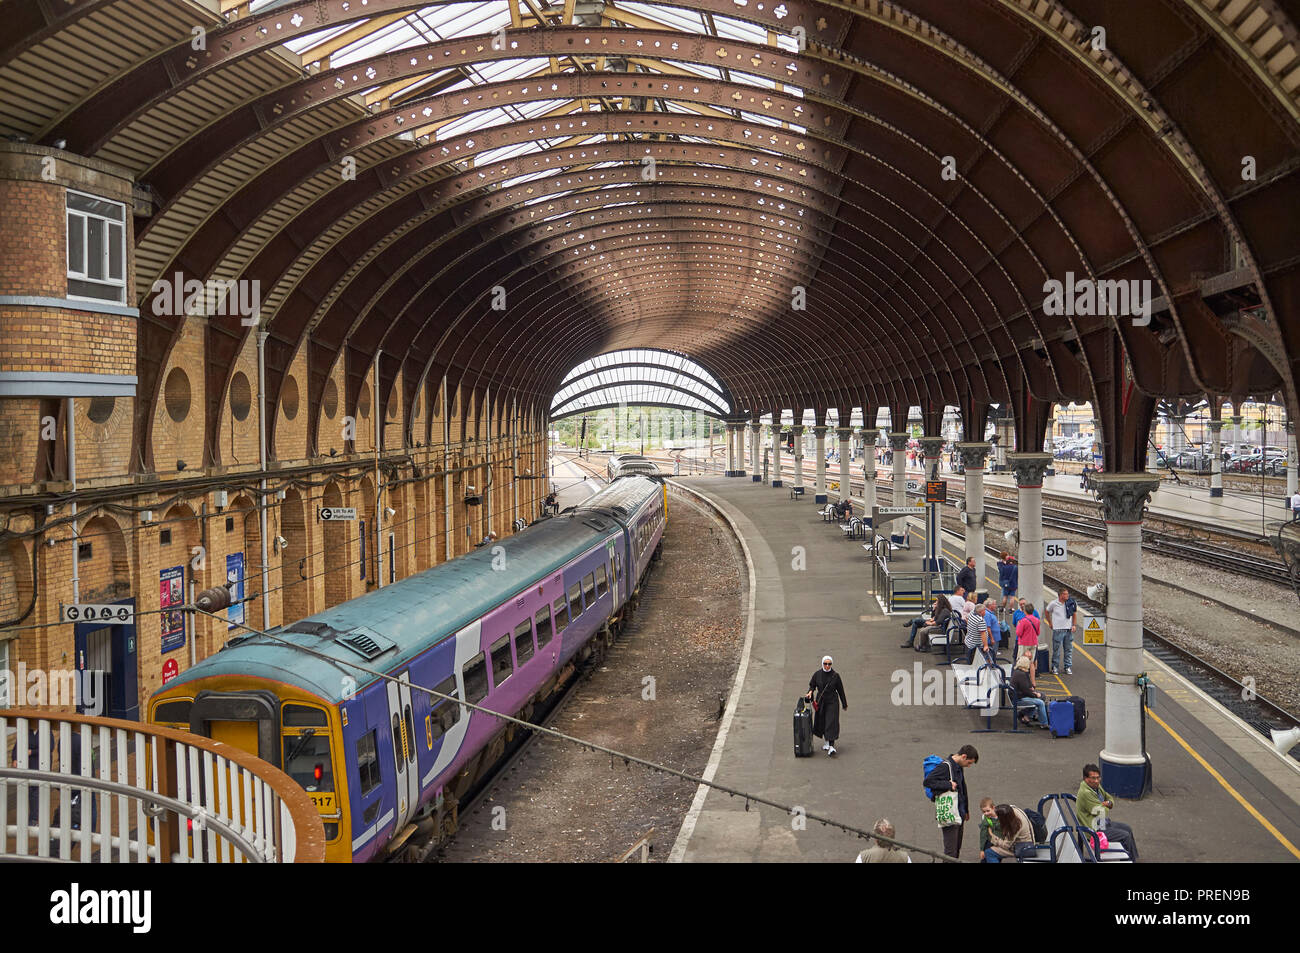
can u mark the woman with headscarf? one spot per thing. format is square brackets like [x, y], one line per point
[827, 692]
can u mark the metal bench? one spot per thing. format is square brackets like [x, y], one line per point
[827, 513]
[1068, 841]
[796, 491]
[855, 528]
[982, 686]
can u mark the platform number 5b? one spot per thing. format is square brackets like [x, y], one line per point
[1054, 551]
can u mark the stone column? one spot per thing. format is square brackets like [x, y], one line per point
[797, 429]
[1216, 458]
[846, 487]
[1236, 432]
[1177, 436]
[898, 444]
[819, 432]
[1291, 460]
[1029, 469]
[1125, 767]
[972, 457]
[776, 452]
[731, 450]
[1006, 432]
[869, 438]
[755, 464]
[931, 455]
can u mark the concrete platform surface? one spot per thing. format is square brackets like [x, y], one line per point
[1220, 793]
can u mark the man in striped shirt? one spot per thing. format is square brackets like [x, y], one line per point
[977, 632]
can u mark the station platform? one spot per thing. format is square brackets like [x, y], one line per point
[1220, 792]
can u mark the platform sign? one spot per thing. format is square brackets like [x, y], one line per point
[1054, 551]
[337, 513]
[96, 612]
[913, 486]
[917, 510]
[1094, 633]
[936, 491]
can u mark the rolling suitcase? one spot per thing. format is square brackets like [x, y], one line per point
[1043, 661]
[1080, 713]
[1060, 716]
[803, 722]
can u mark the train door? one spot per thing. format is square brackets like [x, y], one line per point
[402, 717]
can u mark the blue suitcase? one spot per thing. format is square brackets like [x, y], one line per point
[1043, 661]
[1060, 716]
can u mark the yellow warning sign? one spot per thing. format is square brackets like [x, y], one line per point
[1094, 634]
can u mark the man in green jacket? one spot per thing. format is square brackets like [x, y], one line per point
[1093, 805]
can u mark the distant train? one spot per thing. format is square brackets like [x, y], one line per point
[500, 627]
[629, 464]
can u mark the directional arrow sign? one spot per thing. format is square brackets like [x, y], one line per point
[901, 510]
[332, 514]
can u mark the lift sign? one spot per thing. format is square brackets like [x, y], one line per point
[85, 612]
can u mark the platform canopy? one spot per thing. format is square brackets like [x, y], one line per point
[830, 204]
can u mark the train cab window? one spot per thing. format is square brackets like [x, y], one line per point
[589, 588]
[543, 621]
[306, 758]
[476, 683]
[524, 641]
[445, 713]
[561, 614]
[575, 601]
[172, 713]
[302, 716]
[602, 580]
[502, 667]
[367, 763]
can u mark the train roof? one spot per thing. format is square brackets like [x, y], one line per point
[384, 629]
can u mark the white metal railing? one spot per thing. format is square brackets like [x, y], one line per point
[75, 788]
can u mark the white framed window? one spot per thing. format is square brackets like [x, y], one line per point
[6, 677]
[96, 248]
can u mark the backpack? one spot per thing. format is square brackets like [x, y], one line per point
[931, 762]
[1039, 825]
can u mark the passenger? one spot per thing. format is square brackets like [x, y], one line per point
[988, 822]
[1085, 476]
[996, 633]
[1061, 613]
[1023, 685]
[935, 622]
[967, 578]
[1008, 580]
[882, 853]
[957, 600]
[977, 633]
[950, 778]
[1014, 828]
[1295, 506]
[829, 695]
[1094, 804]
[1027, 634]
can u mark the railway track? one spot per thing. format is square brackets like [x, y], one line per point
[1161, 543]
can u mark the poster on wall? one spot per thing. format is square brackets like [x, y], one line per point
[171, 596]
[235, 580]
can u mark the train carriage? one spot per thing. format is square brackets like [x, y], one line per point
[500, 627]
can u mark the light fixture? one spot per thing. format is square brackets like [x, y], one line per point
[1012, 535]
[146, 517]
[389, 512]
[181, 464]
[280, 543]
[1097, 592]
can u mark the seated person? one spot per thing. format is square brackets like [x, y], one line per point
[1093, 805]
[1025, 691]
[935, 622]
[1013, 828]
[977, 633]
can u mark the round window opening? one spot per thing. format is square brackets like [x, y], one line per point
[289, 398]
[100, 409]
[176, 395]
[330, 399]
[363, 401]
[241, 396]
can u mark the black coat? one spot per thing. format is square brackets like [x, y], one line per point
[941, 778]
[966, 579]
[828, 692]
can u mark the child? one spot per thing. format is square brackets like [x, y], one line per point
[988, 823]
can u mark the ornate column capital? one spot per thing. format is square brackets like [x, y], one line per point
[844, 433]
[1236, 420]
[973, 455]
[931, 446]
[1029, 468]
[870, 435]
[1124, 496]
[819, 431]
[755, 426]
[898, 441]
[1214, 425]
[797, 429]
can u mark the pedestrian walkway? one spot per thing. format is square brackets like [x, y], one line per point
[1220, 794]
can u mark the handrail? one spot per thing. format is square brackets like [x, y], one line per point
[145, 779]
